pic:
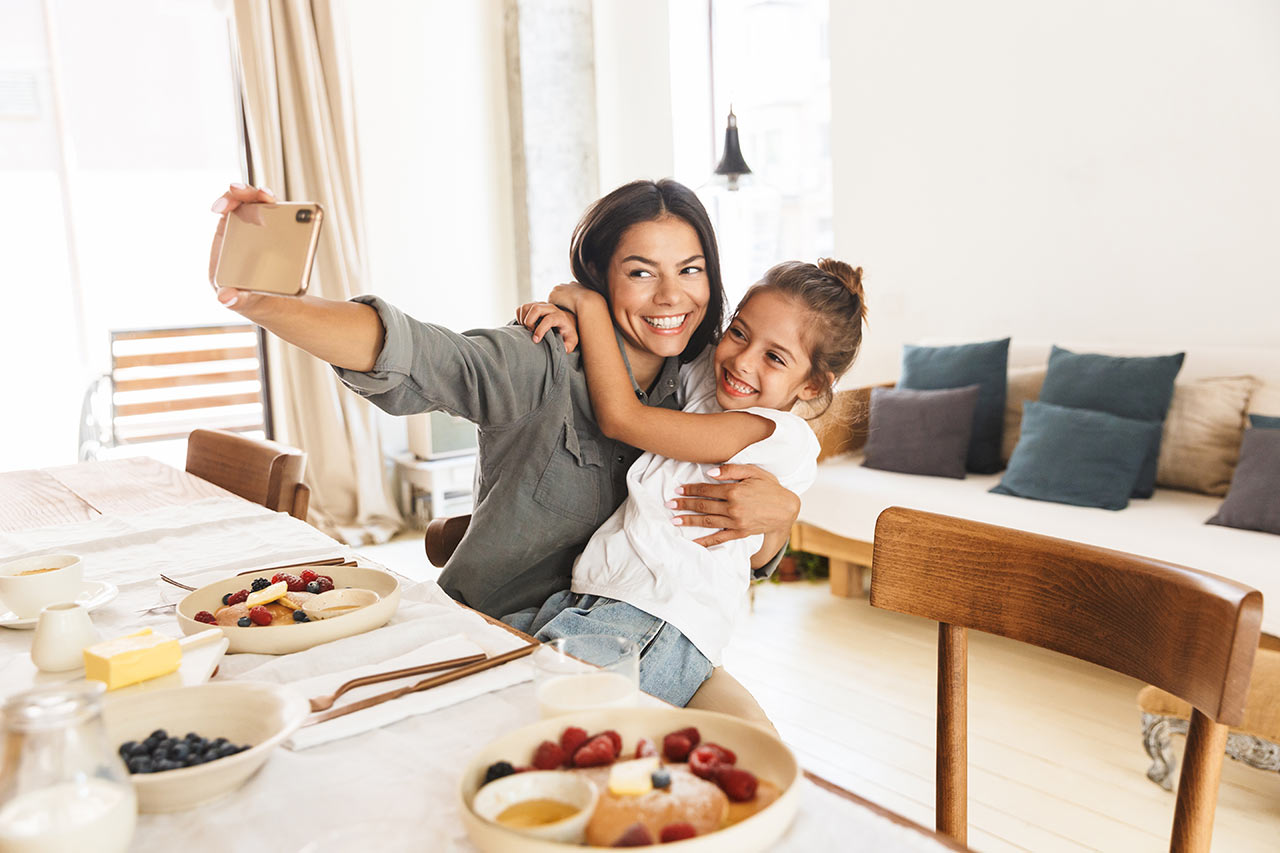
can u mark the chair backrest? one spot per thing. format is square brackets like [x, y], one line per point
[255, 469]
[166, 382]
[443, 536]
[1190, 633]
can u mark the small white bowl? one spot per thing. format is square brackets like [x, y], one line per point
[255, 713]
[27, 595]
[570, 788]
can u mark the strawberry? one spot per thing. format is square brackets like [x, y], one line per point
[675, 747]
[308, 575]
[676, 832]
[548, 755]
[645, 748]
[572, 738]
[704, 762]
[595, 753]
[613, 736]
[738, 785]
[238, 597]
[637, 835]
[260, 615]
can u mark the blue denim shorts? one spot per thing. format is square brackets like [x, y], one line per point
[671, 667]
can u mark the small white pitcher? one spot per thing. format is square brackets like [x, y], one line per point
[62, 632]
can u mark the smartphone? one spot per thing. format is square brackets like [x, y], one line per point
[269, 248]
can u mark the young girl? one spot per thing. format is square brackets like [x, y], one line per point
[794, 334]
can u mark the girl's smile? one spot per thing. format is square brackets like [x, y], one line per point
[763, 359]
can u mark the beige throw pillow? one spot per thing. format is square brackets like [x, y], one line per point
[1024, 387]
[1265, 400]
[1202, 434]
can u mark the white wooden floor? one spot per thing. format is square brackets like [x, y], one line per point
[1055, 751]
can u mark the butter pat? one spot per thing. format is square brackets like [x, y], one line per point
[132, 658]
[267, 594]
[632, 778]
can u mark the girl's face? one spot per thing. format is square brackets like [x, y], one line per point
[658, 286]
[762, 359]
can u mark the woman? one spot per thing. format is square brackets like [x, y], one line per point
[548, 477]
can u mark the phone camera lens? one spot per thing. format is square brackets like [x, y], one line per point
[303, 216]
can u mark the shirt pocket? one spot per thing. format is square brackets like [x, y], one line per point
[570, 481]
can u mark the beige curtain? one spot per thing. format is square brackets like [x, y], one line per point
[295, 71]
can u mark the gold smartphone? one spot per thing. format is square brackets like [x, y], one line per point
[269, 248]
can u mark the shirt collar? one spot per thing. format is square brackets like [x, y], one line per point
[664, 386]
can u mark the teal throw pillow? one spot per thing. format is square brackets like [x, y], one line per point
[983, 364]
[1077, 456]
[1264, 422]
[1138, 388]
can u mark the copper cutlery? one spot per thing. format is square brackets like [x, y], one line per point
[324, 703]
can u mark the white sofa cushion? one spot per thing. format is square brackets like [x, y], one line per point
[846, 499]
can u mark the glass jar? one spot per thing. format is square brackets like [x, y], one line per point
[62, 785]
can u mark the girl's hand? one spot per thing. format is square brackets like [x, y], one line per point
[251, 305]
[755, 503]
[571, 296]
[542, 317]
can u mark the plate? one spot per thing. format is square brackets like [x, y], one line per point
[295, 637]
[93, 594]
[758, 750]
[197, 666]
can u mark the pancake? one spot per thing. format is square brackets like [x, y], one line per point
[689, 800]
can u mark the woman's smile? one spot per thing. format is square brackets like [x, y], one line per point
[671, 324]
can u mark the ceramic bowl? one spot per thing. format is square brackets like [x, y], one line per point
[758, 750]
[55, 578]
[255, 713]
[294, 637]
[570, 788]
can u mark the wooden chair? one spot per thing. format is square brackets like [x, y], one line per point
[1190, 633]
[443, 536]
[257, 470]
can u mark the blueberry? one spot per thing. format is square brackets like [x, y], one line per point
[141, 764]
[661, 778]
[134, 764]
[220, 742]
[313, 587]
[497, 770]
[180, 752]
[259, 584]
[229, 749]
[225, 597]
[299, 616]
[128, 748]
[244, 621]
[158, 734]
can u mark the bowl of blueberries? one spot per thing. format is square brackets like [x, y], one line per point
[185, 746]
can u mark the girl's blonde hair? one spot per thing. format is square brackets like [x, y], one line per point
[832, 291]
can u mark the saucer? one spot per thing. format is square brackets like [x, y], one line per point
[93, 594]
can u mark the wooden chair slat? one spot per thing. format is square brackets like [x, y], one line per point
[180, 331]
[180, 404]
[184, 379]
[184, 357]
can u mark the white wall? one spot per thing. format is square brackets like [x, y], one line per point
[1095, 170]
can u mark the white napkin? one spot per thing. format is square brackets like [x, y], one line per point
[406, 706]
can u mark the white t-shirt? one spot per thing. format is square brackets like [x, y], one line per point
[640, 557]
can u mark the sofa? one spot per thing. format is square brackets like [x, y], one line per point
[840, 509]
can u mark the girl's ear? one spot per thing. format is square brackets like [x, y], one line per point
[814, 387]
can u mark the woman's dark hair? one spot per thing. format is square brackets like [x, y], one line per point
[598, 232]
[832, 291]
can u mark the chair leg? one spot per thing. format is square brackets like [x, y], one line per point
[952, 796]
[1198, 786]
[1157, 734]
[846, 578]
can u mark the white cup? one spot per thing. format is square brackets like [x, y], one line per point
[31, 584]
[62, 632]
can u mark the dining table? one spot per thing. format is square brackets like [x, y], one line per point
[386, 778]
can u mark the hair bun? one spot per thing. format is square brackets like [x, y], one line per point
[850, 277]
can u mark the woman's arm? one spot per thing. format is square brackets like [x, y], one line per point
[687, 436]
[345, 334]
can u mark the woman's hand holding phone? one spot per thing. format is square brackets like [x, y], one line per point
[250, 305]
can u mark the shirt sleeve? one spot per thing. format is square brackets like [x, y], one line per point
[492, 377]
[790, 453]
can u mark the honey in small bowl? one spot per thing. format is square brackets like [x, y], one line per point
[538, 812]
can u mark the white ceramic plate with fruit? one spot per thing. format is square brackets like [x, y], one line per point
[718, 783]
[274, 614]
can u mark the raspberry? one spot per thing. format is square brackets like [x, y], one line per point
[572, 738]
[308, 575]
[738, 785]
[326, 582]
[645, 748]
[295, 583]
[675, 747]
[676, 832]
[725, 755]
[206, 617]
[704, 762]
[613, 736]
[594, 753]
[548, 755]
[260, 615]
[692, 734]
[238, 597]
[637, 835]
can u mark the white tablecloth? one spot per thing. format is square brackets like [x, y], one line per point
[393, 788]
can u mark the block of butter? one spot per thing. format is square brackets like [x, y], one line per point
[132, 658]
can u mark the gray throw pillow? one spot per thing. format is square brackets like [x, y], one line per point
[1139, 388]
[1253, 502]
[921, 432]
[1077, 456]
[983, 364]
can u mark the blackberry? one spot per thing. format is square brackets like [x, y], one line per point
[244, 621]
[497, 770]
[259, 584]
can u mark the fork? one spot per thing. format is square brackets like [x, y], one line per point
[324, 703]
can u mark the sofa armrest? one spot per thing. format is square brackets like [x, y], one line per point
[842, 428]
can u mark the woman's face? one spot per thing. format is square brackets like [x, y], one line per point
[658, 286]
